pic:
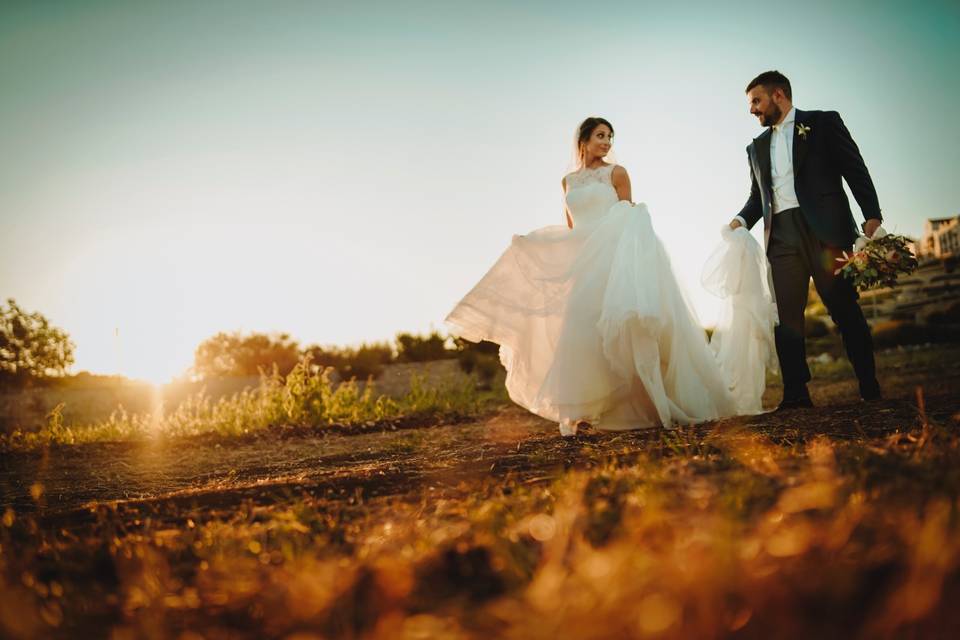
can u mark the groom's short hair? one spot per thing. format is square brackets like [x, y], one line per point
[771, 80]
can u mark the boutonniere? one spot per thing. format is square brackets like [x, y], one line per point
[802, 131]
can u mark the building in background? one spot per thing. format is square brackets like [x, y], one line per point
[941, 238]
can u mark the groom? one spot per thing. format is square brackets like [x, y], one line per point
[795, 167]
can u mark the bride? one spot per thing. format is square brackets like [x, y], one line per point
[593, 326]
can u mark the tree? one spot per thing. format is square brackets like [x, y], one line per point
[353, 362]
[30, 347]
[480, 358]
[417, 348]
[235, 354]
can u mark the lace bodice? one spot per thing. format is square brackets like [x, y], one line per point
[586, 176]
[590, 193]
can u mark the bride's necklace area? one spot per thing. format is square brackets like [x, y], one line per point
[599, 166]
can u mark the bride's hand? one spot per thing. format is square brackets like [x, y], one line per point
[732, 230]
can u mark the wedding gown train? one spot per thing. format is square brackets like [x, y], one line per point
[593, 325]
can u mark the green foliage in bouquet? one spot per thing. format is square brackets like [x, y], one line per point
[879, 263]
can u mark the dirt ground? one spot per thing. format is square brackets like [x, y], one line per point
[498, 527]
[216, 474]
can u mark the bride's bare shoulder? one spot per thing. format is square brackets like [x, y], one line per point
[618, 171]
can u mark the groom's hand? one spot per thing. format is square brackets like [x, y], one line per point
[735, 223]
[870, 226]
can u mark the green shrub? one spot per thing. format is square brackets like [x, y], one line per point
[417, 348]
[480, 358]
[359, 363]
[305, 398]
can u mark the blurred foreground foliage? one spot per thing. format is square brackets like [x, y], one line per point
[692, 533]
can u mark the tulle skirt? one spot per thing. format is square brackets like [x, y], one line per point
[593, 325]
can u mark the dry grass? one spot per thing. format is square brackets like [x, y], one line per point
[306, 399]
[837, 522]
[88, 400]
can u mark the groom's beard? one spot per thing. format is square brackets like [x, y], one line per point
[772, 116]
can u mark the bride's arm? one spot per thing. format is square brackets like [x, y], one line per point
[563, 184]
[621, 182]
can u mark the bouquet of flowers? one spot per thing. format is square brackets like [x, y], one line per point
[877, 262]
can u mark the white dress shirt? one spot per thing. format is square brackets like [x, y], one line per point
[781, 166]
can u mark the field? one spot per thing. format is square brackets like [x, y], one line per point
[90, 399]
[436, 522]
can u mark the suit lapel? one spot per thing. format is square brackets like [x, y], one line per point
[799, 142]
[762, 144]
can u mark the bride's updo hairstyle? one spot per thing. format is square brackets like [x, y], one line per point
[584, 131]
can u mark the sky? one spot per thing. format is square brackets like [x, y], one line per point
[345, 171]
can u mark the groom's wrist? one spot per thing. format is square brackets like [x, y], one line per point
[870, 225]
[743, 223]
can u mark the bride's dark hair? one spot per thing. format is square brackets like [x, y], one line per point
[587, 127]
[584, 131]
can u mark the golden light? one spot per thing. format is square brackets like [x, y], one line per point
[657, 613]
[156, 407]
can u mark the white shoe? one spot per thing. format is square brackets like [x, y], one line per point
[568, 429]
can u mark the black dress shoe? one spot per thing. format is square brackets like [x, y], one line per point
[795, 403]
[870, 391]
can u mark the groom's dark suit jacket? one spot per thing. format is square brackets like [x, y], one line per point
[821, 158]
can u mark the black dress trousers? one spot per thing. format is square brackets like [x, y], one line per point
[796, 255]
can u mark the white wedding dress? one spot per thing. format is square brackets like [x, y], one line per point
[593, 325]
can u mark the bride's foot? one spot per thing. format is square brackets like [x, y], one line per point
[568, 429]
